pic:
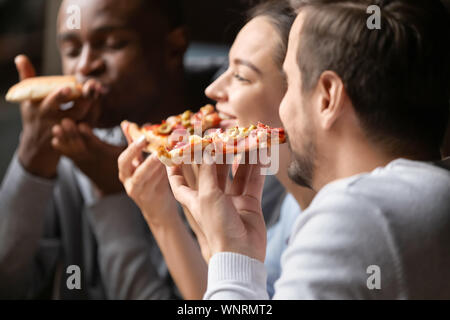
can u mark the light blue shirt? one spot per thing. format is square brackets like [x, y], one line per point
[277, 240]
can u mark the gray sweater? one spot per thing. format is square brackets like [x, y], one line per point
[48, 225]
[380, 235]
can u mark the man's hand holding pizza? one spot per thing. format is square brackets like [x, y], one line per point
[95, 158]
[35, 151]
[230, 217]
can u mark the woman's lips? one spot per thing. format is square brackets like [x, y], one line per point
[226, 116]
[228, 120]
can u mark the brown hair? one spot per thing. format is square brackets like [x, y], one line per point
[397, 77]
[281, 15]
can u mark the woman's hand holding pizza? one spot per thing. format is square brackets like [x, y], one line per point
[146, 183]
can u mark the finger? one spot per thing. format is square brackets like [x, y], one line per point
[60, 138]
[182, 192]
[190, 176]
[158, 177]
[192, 222]
[24, 67]
[95, 143]
[91, 89]
[69, 129]
[52, 103]
[223, 175]
[255, 184]
[195, 169]
[88, 134]
[207, 176]
[125, 161]
[236, 163]
[240, 179]
[125, 125]
[147, 171]
[59, 145]
[69, 140]
[58, 132]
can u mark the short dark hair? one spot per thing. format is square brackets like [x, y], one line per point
[170, 9]
[397, 77]
[282, 16]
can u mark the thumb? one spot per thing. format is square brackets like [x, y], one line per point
[125, 125]
[24, 67]
[89, 137]
[94, 143]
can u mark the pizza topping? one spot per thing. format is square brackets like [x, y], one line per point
[176, 141]
[262, 135]
[207, 109]
[165, 129]
[186, 123]
[186, 119]
[186, 115]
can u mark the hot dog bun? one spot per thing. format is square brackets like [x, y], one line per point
[38, 88]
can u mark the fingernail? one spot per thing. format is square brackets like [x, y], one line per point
[67, 106]
[66, 91]
[141, 140]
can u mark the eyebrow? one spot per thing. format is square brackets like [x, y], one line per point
[248, 64]
[67, 36]
[70, 35]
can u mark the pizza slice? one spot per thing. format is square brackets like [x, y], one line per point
[170, 132]
[184, 138]
[235, 140]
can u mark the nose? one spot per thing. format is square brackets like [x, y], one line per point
[282, 110]
[217, 90]
[90, 63]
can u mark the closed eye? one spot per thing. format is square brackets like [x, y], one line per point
[71, 50]
[239, 78]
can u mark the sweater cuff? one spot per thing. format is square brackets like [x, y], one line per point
[229, 267]
[17, 175]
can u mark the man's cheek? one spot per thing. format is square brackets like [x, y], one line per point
[286, 114]
[69, 66]
[124, 60]
[293, 127]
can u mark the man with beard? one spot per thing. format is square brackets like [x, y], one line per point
[366, 113]
[61, 203]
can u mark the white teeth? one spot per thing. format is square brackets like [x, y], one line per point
[225, 116]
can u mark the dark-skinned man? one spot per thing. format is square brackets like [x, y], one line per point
[61, 203]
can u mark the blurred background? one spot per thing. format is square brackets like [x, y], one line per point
[29, 27]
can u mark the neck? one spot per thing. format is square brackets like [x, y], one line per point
[303, 195]
[359, 156]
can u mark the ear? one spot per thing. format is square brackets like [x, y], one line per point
[332, 94]
[176, 44]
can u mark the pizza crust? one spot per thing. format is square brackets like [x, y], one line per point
[38, 88]
[134, 133]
